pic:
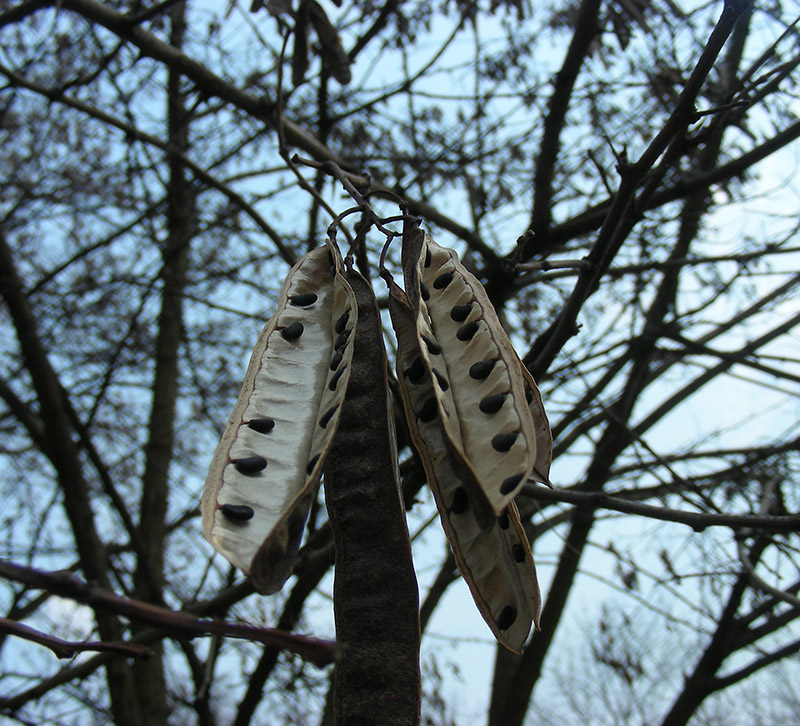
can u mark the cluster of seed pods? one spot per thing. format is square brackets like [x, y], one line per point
[266, 468]
[475, 416]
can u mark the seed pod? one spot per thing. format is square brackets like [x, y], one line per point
[494, 558]
[375, 598]
[461, 336]
[271, 454]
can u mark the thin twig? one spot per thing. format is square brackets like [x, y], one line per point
[696, 520]
[179, 624]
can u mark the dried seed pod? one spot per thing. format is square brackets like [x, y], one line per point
[374, 573]
[271, 454]
[541, 425]
[461, 336]
[494, 558]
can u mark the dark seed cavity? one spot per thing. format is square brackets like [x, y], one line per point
[335, 379]
[441, 282]
[337, 358]
[460, 312]
[311, 464]
[250, 464]
[341, 322]
[416, 371]
[443, 384]
[423, 290]
[528, 394]
[326, 417]
[481, 369]
[503, 521]
[341, 340]
[504, 441]
[460, 501]
[433, 347]
[293, 331]
[429, 410]
[493, 403]
[467, 331]
[304, 300]
[262, 425]
[518, 553]
[237, 512]
[427, 258]
[506, 618]
[510, 484]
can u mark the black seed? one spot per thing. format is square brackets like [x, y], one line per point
[518, 553]
[416, 371]
[293, 331]
[308, 298]
[237, 512]
[330, 257]
[528, 394]
[460, 501]
[467, 331]
[441, 282]
[326, 417]
[503, 521]
[335, 379]
[262, 425]
[423, 290]
[506, 618]
[510, 484]
[443, 384]
[460, 312]
[481, 369]
[337, 358]
[250, 464]
[427, 258]
[341, 322]
[341, 340]
[433, 347]
[493, 403]
[503, 442]
[429, 410]
[311, 464]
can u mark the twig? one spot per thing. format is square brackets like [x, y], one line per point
[68, 648]
[696, 520]
[179, 624]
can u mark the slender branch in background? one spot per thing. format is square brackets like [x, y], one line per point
[69, 648]
[622, 216]
[180, 624]
[696, 520]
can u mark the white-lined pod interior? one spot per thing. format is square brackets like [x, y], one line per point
[267, 466]
[482, 396]
[495, 560]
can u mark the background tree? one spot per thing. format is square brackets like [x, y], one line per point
[150, 212]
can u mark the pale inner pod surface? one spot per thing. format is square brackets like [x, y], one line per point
[271, 453]
[495, 561]
[480, 388]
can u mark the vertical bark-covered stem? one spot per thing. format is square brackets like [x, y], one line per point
[59, 447]
[375, 588]
[148, 578]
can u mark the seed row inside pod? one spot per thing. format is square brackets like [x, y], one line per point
[267, 466]
[494, 559]
[480, 394]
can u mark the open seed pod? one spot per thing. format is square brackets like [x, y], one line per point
[495, 560]
[266, 469]
[481, 393]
